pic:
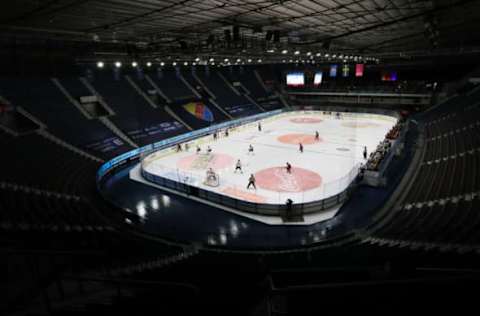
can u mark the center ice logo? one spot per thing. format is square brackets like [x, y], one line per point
[286, 182]
[277, 179]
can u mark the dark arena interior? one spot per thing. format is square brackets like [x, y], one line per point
[243, 157]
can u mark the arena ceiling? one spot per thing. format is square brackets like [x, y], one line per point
[159, 27]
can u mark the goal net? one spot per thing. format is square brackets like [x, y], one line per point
[212, 179]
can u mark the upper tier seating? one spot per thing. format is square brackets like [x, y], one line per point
[236, 105]
[133, 114]
[177, 102]
[41, 98]
[248, 79]
[173, 87]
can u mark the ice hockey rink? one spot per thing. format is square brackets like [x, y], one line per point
[326, 167]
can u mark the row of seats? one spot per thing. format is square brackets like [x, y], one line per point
[173, 87]
[443, 204]
[41, 98]
[460, 141]
[247, 79]
[236, 105]
[34, 161]
[452, 222]
[446, 178]
[31, 211]
[133, 114]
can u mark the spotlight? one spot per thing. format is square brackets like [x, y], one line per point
[249, 60]
[185, 63]
[284, 51]
[318, 54]
[197, 59]
[174, 63]
[118, 64]
[239, 60]
[149, 64]
[309, 53]
[259, 60]
[100, 64]
[212, 60]
[162, 64]
[225, 60]
[134, 64]
[297, 52]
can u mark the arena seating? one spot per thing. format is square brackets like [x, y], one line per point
[34, 161]
[441, 207]
[195, 122]
[41, 98]
[31, 210]
[247, 79]
[133, 114]
[173, 87]
[47, 189]
[266, 99]
[236, 105]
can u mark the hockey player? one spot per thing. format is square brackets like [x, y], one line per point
[365, 152]
[289, 167]
[209, 150]
[250, 150]
[251, 182]
[259, 126]
[317, 136]
[300, 147]
[198, 149]
[238, 167]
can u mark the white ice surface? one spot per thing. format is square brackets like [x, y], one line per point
[323, 158]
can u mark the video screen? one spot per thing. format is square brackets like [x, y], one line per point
[295, 79]
[317, 80]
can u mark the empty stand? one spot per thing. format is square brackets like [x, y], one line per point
[441, 208]
[138, 119]
[170, 83]
[44, 100]
[236, 105]
[34, 161]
